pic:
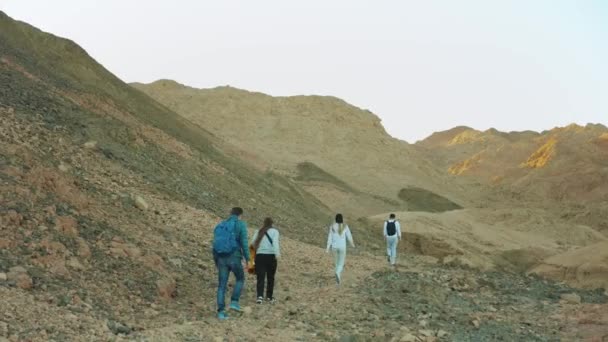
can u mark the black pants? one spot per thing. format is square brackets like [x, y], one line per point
[265, 267]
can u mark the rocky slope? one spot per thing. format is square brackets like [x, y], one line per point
[337, 138]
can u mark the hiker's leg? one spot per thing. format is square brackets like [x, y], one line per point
[272, 270]
[260, 270]
[336, 260]
[392, 242]
[341, 258]
[223, 272]
[237, 269]
[395, 245]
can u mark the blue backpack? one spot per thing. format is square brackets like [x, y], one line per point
[224, 238]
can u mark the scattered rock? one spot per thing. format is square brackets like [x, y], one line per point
[84, 251]
[571, 298]
[166, 288]
[59, 268]
[75, 264]
[408, 338]
[140, 203]
[20, 277]
[3, 277]
[5, 243]
[24, 281]
[423, 323]
[476, 323]
[63, 167]
[3, 329]
[426, 333]
[176, 262]
[442, 333]
[67, 225]
[90, 144]
[118, 328]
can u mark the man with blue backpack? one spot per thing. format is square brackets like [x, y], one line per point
[230, 247]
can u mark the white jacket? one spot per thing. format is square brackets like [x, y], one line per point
[336, 240]
[265, 246]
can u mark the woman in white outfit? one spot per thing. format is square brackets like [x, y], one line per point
[339, 233]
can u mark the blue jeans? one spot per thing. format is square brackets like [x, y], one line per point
[391, 248]
[225, 265]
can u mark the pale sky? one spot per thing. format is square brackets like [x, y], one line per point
[421, 66]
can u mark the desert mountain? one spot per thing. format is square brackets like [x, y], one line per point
[563, 168]
[340, 152]
[108, 199]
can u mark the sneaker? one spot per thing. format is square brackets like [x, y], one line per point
[235, 306]
[260, 300]
[222, 316]
[337, 279]
[271, 300]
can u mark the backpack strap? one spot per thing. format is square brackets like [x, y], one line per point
[269, 238]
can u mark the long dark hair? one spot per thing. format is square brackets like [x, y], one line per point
[340, 222]
[267, 225]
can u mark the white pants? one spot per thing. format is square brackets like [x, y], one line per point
[339, 258]
[391, 248]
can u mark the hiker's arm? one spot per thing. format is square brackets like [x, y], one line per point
[329, 239]
[244, 243]
[385, 234]
[255, 236]
[277, 246]
[349, 237]
[398, 226]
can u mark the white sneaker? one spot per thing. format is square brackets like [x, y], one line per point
[260, 300]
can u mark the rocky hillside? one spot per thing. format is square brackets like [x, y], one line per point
[564, 168]
[52, 82]
[285, 133]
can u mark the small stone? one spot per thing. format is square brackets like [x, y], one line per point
[3, 277]
[118, 328]
[17, 269]
[408, 338]
[166, 288]
[67, 225]
[90, 144]
[140, 203]
[63, 167]
[442, 333]
[571, 298]
[84, 251]
[423, 323]
[476, 323]
[24, 281]
[426, 333]
[177, 262]
[3, 329]
[75, 264]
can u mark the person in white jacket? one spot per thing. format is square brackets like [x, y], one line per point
[392, 236]
[266, 243]
[339, 233]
